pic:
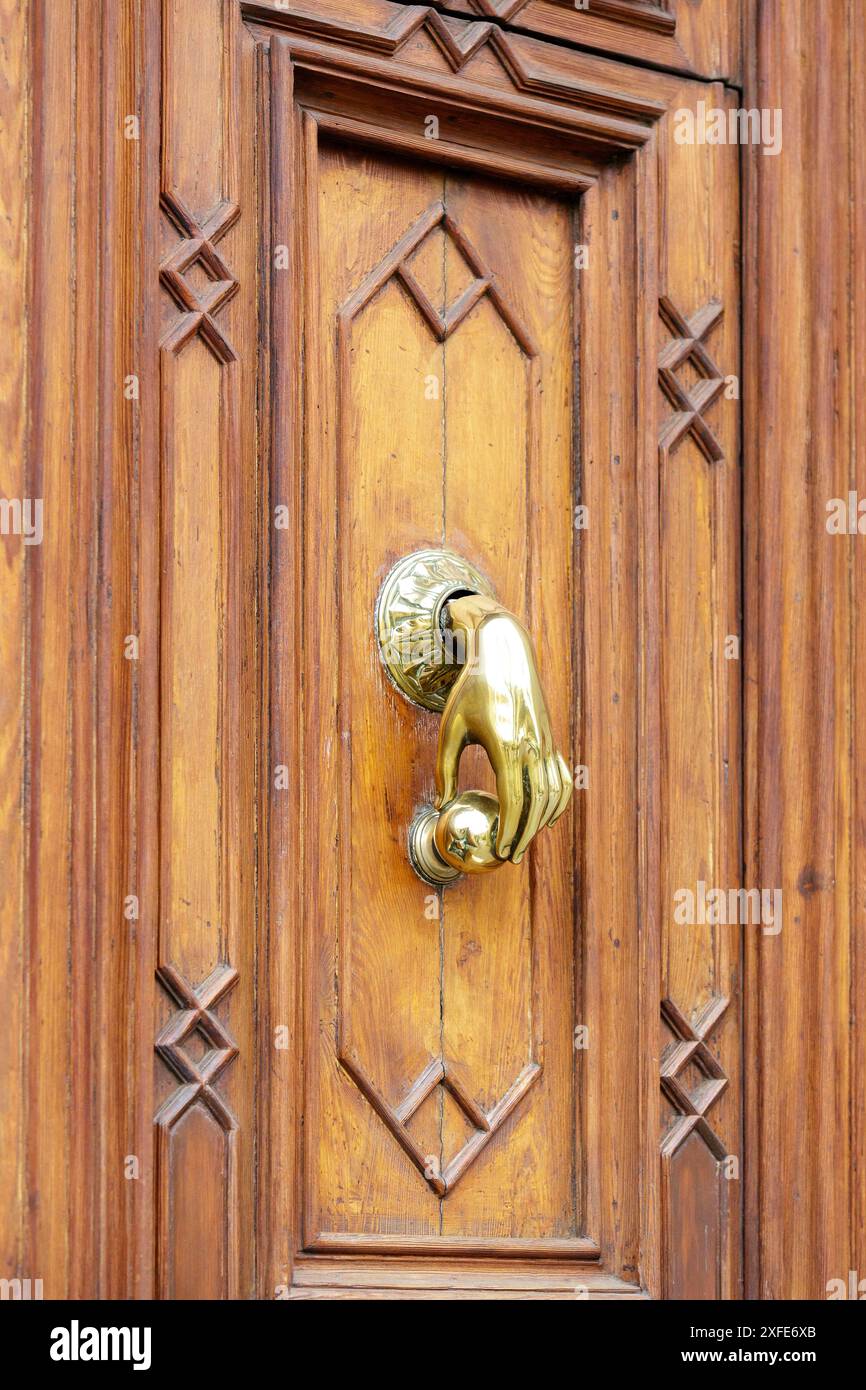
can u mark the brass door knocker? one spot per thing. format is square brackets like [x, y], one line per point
[449, 646]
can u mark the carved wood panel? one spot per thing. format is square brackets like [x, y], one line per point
[431, 1057]
[430, 1097]
[473, 382]
[432, 1122]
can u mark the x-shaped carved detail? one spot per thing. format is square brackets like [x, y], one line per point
[199, 248]
[436, 1073]
[690, 1046]
[195, 1015]
[687, 345]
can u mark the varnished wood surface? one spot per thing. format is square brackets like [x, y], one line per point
[804, 613]
[14, 357]
[155, 777]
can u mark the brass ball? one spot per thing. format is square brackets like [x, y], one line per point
[465, 833]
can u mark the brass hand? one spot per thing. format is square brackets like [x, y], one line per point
[497, 702]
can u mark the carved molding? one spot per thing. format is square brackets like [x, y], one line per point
[442, 325]
[455, 1247]
[642, 14]
[459, 40]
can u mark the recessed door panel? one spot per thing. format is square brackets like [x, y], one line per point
[442, 1081]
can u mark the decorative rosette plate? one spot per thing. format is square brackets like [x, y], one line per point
[420, 652]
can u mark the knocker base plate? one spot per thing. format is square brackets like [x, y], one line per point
[422, 850]
[421, 659]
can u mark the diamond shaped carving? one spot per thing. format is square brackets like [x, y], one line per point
[690, 403]
[439, 267]
[195, 1025]
[200, 306]
[396, 266]
[691, 1076]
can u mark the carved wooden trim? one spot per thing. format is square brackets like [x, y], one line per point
[599, 129]
[397, 265]
[206, 501]
[199, 248]
[702, 40]
[328, 1276]
[625, 115]
[696, 1208]
[196, 1017]
[453, 1247]
[397, 1117]
[690, 1048]
[805, 652]
[700, 1070]
[687, 345]
[642, 14]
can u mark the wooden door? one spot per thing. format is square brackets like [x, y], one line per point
[388, 277]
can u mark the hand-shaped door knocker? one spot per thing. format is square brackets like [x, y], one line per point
[449, 646]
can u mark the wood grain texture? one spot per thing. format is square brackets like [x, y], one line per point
[439, 1278]
[50, 585]
[627, 1223]
[280, 964]
[15, 351]
[125, 770]
[482, 56]
[618, 631]
[804, 616]
[67, 1130]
